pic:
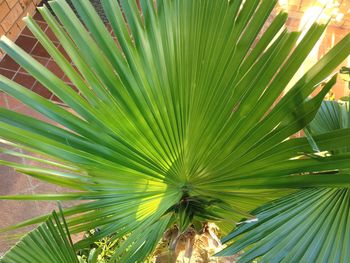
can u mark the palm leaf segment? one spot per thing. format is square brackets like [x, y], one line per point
[331, 116]
[308, 226]
[50, 242]
[177, 121]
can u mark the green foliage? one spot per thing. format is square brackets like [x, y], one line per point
[331, 116]
[181, 121]
[308, 226]
[102, 250]
[50, 242]
[311, 225]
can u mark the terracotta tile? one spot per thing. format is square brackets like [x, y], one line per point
[8, 63]
[77, 70]
[27, 32]
[109, 27]
[41, 90]
[14, 32]
[7, 73]
[13, 237]
[73, 87]
[54, 68]
[20, 23]
[64, 53]
[11, 18]
[43, 25]
[11, 3]
[25, 80]
[2, 32]
[114, 36]
[56, 99]
[42, 61]
[13, 183]
[3, 101]
[26, 43]
[9, 147]
[13, 212]
[30, 8]
[51, 35]
[22, 70]
[45, 207]
[8, 177]
[26, 110]
[42, 187]
[38, 17]
[66, 79]
[13, 103]
[40, 51]
[4, 9]
[39, 186]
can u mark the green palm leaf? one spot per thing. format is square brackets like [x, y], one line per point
[307, 226]
[50, 242]
[176, 122]
[332, 115]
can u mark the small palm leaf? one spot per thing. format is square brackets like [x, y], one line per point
[179, 118]
[50, 242]
[332, 115]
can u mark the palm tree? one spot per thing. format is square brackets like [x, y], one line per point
[179, 121]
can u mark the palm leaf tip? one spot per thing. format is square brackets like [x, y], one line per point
[151, 138]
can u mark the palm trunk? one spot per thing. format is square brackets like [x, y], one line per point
[191, 246]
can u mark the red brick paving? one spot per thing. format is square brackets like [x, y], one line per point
[26, 40]
[13, 183]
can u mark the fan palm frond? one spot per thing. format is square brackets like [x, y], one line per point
[50, 242]
[179, 119]
[333, 115]
[308, 226]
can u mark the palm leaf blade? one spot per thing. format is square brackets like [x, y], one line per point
[47, 243]
[176, 120]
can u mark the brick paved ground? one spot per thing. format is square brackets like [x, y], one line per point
[11, 182]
